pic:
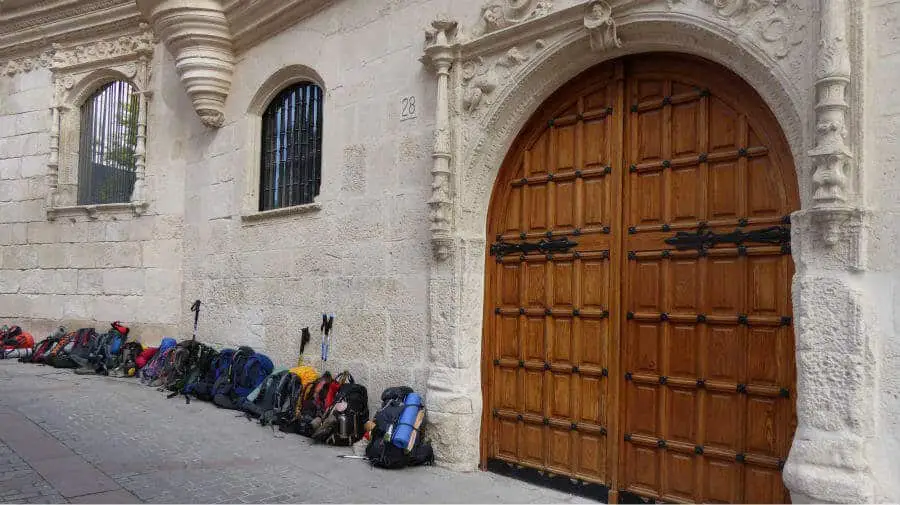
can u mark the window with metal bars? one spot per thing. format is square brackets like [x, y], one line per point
[291, 164]
[106, 151]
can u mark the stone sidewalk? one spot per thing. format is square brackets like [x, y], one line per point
[90, 439]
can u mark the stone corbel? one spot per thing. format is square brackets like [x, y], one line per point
[439, 57]
[198, 35]
[601, 27]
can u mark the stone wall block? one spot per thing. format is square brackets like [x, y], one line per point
[161, 254]
[10, 168]
[407, 341]
[55, 256]
[123, 281]
[10, 280]
[130, 230]
[358, 335]
[20, 257]
[48, 281]
[33, 166]
[126, 255]
[42, 233]
[90, 282]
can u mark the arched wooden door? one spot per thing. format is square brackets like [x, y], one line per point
[638, 331]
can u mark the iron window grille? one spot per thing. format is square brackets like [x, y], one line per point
[107, 146]
[291, 164]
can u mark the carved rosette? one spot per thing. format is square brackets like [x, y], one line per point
[198, 36]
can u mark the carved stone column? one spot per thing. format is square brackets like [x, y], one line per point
[439, 56]
[836, 320]
[139, 193]
[832, 158]
[53, 159]
[198, 35]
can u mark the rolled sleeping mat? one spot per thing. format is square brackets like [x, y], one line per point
[406, 425]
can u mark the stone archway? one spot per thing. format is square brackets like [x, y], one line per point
[490, 84]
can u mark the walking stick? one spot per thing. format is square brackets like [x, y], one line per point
[195, 308]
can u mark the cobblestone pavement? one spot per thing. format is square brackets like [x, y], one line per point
[91, 439]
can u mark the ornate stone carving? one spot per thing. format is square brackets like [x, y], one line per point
[126, 45]
[499, 14]
[832, 156]
[23, 65]
[439, 55]
[481, 77]
[601, 27]
[198, 36]
[778, 24]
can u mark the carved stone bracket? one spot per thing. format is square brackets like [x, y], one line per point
[77, 72]
[198, 36]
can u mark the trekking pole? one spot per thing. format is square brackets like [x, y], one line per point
[304, 339]
[195, 308]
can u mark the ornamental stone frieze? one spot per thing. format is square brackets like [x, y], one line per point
[510, 38]
[198, 35]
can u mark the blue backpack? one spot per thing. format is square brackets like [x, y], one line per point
[248, 369]
[255, 370]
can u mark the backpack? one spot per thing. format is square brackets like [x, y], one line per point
[308, 407]
[145, 356]
[191, 360]
[248, 369]
[150, 371]
[105, 354]
[262, 399]
[44, 346]
[346, 412]
[219, 366]
[76, 355]
[15, 343]
[50, 357]
[128, 362]
[380, 451]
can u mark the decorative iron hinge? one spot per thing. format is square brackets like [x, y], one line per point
[703, 238]
[562, 244]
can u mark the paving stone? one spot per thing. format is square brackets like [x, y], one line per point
[72, 476]
[118, 496]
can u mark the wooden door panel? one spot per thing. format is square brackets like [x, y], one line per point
[635, 359]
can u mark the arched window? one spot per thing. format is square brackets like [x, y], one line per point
[291, 148]
[106, 150]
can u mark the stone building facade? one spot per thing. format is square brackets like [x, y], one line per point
[423, 101]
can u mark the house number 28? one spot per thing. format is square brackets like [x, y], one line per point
[407, 108]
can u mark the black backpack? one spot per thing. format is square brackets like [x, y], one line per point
[380, 451]
[265, 400]
[344, 420]
[187, 356]
[288, 390]
[219, 366]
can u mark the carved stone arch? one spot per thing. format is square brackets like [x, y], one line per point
[267, 91]
[488, 139]
[80, 91]
[279, 80]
